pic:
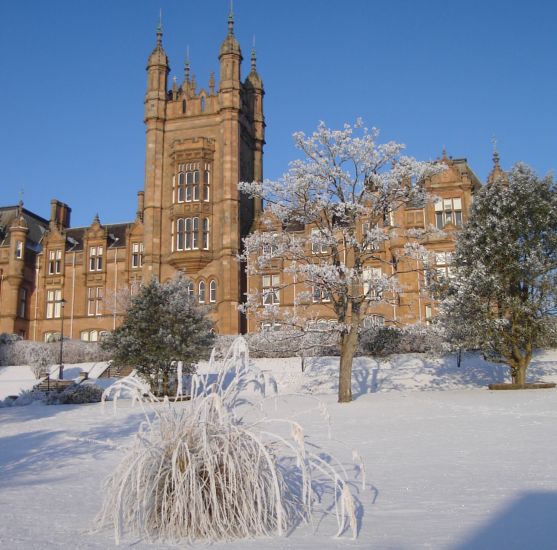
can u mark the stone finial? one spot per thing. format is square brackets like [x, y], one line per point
[212, 83]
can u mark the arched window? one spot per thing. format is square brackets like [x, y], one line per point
[206, 182]
[201, 294]
[188, 234]
[202, 104]
[195, 234]
[213, 291]
[180, 234]
[190, 289]
[181, 187]
[206, 233]
[184, 105]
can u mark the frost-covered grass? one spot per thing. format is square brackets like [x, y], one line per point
[452, 468]
[204, 472]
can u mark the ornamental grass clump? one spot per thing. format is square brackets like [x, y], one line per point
[200, 471]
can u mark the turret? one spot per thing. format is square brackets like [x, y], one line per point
[157, 76]
[497, 173]
[18, 235]
[230, 57]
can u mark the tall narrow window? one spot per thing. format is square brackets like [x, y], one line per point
[196, 185]
[213, 291]
[195, 234]
[96, 258]
[180, 233]
[201, 295]
[94, 300]
[137, 255]
[202, 103]
[22, 302]
[189, 186]
[190, 289]
[206, 182]
[53, 304]
[188, 234]
[19, 250]
[206, 233]
[181, 187]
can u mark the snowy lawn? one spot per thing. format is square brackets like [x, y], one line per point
[463, 468]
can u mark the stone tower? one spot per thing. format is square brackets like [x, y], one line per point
[200, 144]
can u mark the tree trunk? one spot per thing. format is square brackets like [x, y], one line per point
[348, 346]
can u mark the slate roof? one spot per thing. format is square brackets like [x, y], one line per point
[37, 226]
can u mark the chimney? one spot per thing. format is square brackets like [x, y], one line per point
[60, 214]
[140, 204]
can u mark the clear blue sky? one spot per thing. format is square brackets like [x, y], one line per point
[427, 73]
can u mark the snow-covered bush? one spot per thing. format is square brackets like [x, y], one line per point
[75, 394]
[204, 471]
[25, 397]
[381, 341]
[40, 355]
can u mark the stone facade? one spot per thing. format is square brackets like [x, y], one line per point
[190, 218]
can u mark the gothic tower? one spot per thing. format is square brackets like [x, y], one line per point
[200, 144]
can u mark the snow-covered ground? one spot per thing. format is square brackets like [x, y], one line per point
[454, 467]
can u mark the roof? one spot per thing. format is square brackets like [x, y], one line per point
[116, 235]
[36, 225]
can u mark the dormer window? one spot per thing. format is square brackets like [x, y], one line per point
[96, 258]
[54, 262]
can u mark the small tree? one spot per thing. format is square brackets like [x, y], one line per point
[346, 182]
[162, 325]
[502, 298]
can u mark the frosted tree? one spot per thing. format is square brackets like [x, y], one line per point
[343, 192]
[502, 298]
[163, 325]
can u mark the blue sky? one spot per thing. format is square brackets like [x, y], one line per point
[427, 73]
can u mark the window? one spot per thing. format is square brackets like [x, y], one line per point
[22, 302]
[206, 182]
[89, 336]
[370, 277]
[181, 187]
[448, 211]
[213, 291]
[190, 289]
[54, 262]
[188, 233]
[137, 255]
[96, 258]
[373, 321]
[195, 234]
[19, 250]
[369, 246]
[53, 304]
[186, 183]
[317, 245]
[270, 290]
[428, 314]
[180, 234]
[94, 300]
[442, 264]
[201, 295]
[320, 294]
[205, 233]
[52, 336]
